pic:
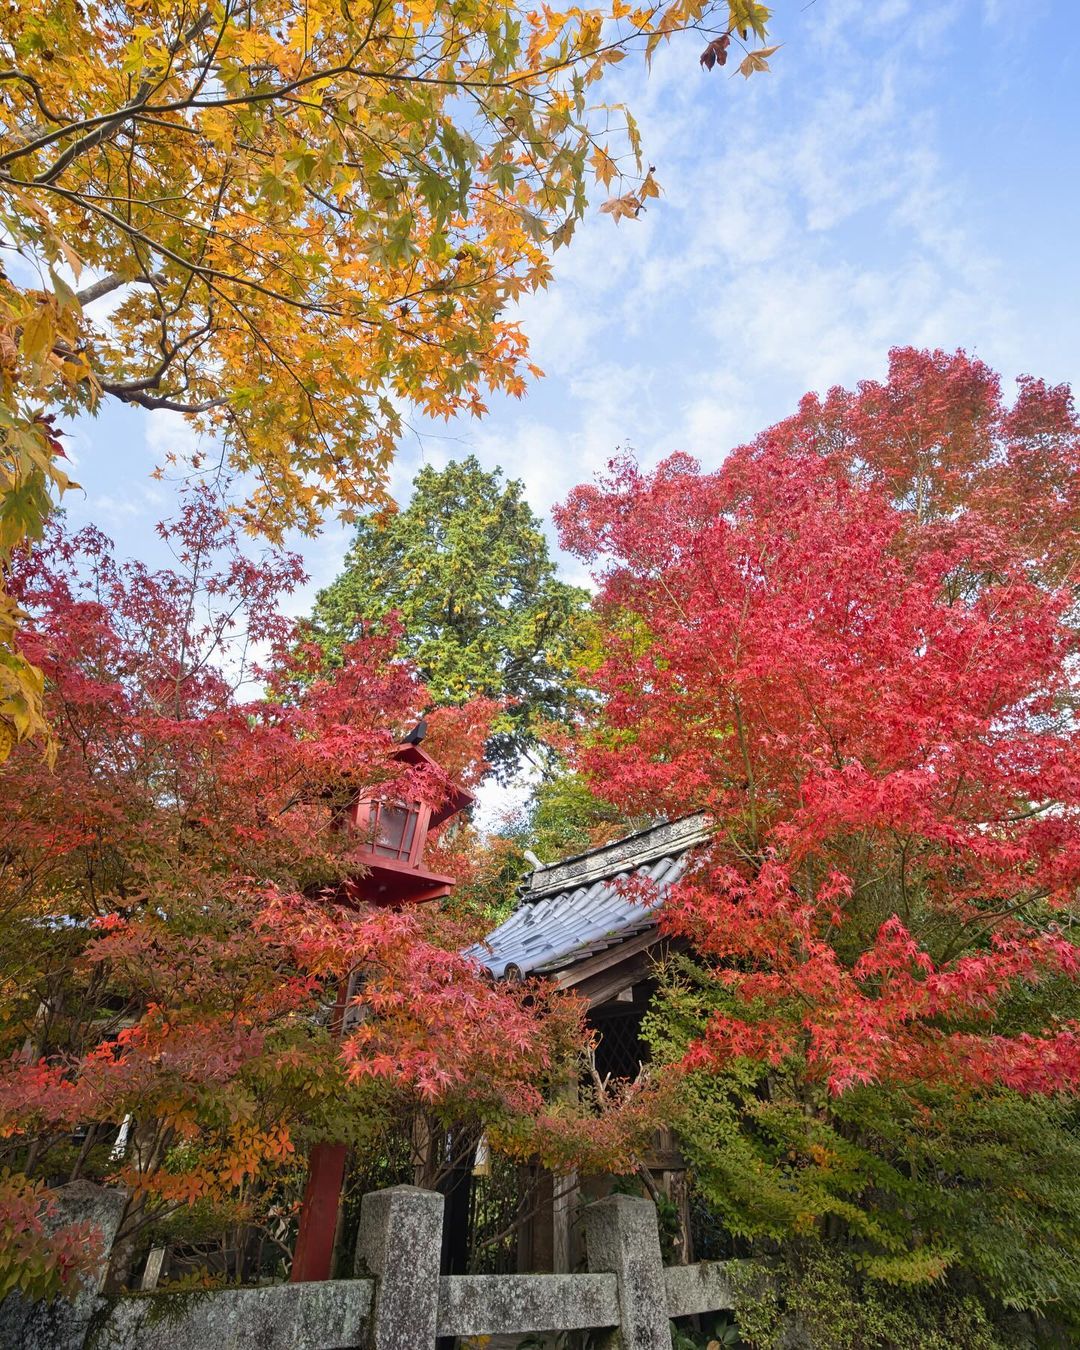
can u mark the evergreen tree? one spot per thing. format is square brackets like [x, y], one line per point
[466, 566]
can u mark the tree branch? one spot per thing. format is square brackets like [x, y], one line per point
[156, 401]
[113, 282]
[39, 98]
[116, 120]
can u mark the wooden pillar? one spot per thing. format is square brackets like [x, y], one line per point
[457, 1189]
[675, 1188]
[527, 1190]
[543, 1224]
[314, 1255]
[313, 1258]
[564, 1198]
[423, 1151]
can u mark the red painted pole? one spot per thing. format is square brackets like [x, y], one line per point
[314, 1255]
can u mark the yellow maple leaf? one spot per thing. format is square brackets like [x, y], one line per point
[628, 205]
[604, 167]
[757, 61]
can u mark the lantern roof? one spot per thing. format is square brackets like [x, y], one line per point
[456, 800]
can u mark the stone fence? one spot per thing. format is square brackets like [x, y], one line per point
[398, 1300]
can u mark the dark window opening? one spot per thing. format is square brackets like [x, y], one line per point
[620, 1052]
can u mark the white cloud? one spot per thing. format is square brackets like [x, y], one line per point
[808, 224]
[117, 509]
[170, 433]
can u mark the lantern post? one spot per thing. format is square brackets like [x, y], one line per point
[396, 835]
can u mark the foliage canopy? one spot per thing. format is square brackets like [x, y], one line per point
[174, 926]
[856, 645]
[304, 217]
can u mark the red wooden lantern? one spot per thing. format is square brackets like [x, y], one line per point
[395, 835]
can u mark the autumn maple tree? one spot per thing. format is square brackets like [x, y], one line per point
[855, 645]
[301, 219]
[175, 923]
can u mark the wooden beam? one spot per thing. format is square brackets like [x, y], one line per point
[604, 987]
[619, 951]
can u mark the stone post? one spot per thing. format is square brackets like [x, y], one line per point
[152, 1273]
[62, 1324]
[621, 1237]
[399, 1243]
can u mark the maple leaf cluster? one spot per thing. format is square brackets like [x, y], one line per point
[302, 221]
[855, 645]
[32, 1260]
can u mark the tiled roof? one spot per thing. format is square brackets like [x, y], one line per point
[573, 909]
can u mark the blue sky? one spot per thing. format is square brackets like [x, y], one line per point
[906, 174]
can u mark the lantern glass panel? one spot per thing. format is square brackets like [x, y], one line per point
[395, 829]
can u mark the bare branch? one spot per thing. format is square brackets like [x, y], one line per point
[101, 288]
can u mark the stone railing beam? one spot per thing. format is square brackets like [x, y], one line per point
[493, 1305]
